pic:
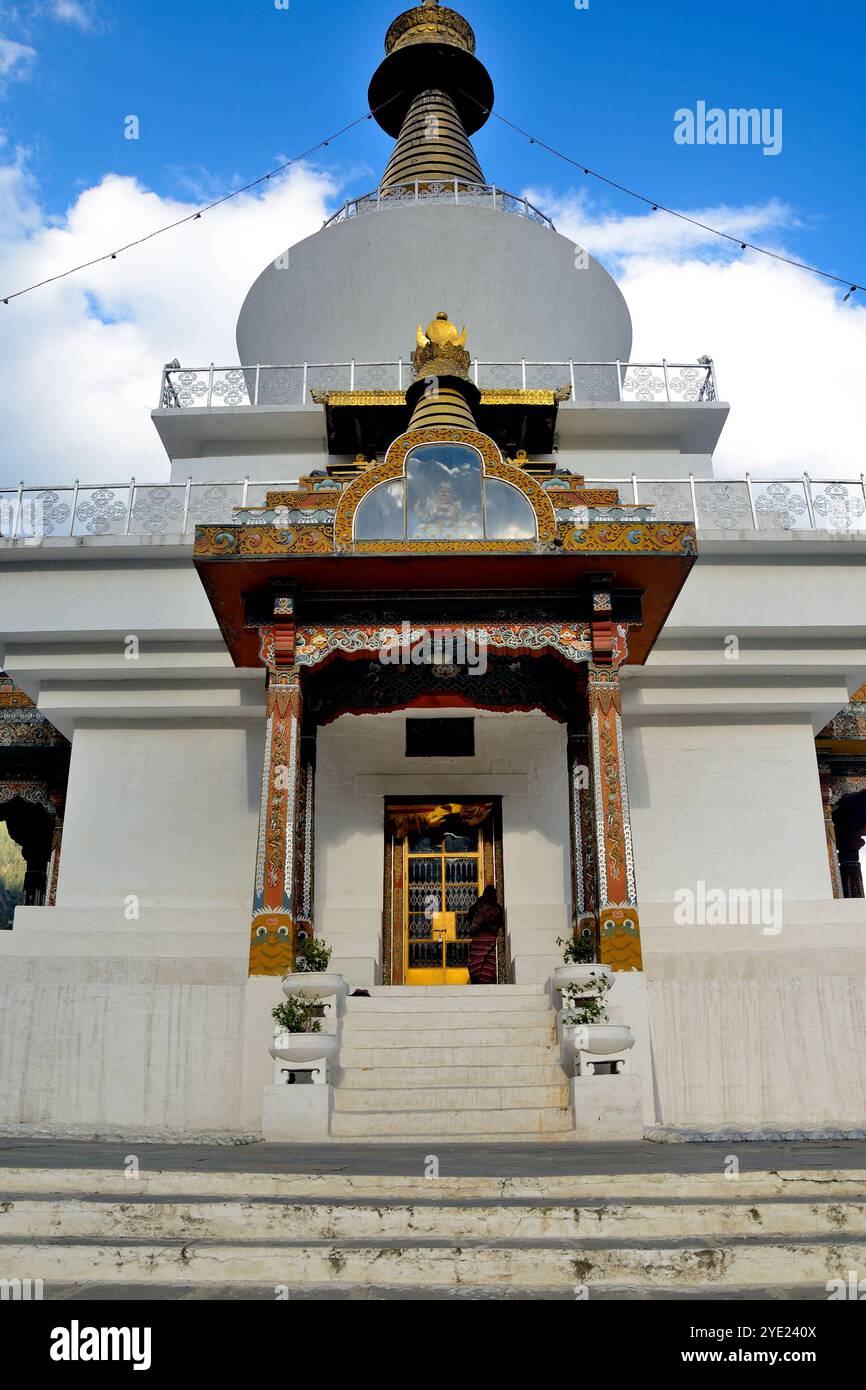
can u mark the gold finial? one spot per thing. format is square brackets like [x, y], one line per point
[432, 93]
[441, 331]
[441, 351]
[420, 25]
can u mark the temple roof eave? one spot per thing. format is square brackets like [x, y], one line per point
[236, 563]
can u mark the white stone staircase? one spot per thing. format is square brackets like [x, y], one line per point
[242, 1233]
[441, 1063]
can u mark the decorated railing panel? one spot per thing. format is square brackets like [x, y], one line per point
[647, 383]
[31, 514]
[454, 191]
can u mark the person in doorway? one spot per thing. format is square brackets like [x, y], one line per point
[486, 924]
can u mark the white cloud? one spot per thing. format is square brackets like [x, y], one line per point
[15, 59]
[19, 212]
[72, 12]
[80, 360]
[790, 356]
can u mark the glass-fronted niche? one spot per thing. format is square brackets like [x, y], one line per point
[445, 496]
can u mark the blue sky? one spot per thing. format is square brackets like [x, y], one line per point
[222, 88]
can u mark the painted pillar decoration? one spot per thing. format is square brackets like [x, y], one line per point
[830, 829]
[54, 861]
[618, 922]
[584, 887]
[275, 914]
[304, 858]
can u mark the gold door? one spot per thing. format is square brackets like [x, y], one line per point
[443, 871]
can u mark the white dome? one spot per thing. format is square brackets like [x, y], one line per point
[357, 290]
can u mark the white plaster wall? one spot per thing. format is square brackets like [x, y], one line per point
[599, 464]
[270, 467]
[168, 813]
[60, 600]
[361, 761]
[735, 804]
[94, 1044]
[774, 585]
[757, 1030]
[111, 1021]
[156, 1018]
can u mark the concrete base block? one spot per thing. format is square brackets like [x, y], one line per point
[529, 969]
[607, 1108]
[359, 972]
[299, 1112]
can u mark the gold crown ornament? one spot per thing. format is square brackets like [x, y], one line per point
[441, 351]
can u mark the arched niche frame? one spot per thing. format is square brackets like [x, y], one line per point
[32, 815]
[471, 493]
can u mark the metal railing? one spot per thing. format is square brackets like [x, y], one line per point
[30, 514]
[649, 383]
[456, 191]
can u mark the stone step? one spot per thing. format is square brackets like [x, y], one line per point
[472, 1138]
[427, 1020]
[429, 1124]
[548, 1264]
[836, 1187]
[493, 1074]
[169, 1218]
[455, 1003]
[458, 991]
[396, 1051]
[405, 1100]
[431, 1293]
[432, 1031]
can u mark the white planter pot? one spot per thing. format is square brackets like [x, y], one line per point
[604, 1039]
[578, 974]
[314, 985]
[305, 1047]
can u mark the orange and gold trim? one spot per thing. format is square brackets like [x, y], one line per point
[619, 926]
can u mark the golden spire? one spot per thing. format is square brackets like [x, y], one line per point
[433, 146]
[442, 393]
[431, 93]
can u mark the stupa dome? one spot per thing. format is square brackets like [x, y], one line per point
[433, 232]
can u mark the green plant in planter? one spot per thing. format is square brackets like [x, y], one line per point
[578, 950]
[586, 1002]
[313, 956]
[298, 1015]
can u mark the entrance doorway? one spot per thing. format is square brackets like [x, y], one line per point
[438, 858]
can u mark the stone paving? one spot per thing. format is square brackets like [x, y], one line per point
[233, 1293]
[455, 1160]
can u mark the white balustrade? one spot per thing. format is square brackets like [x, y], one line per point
[29, 515]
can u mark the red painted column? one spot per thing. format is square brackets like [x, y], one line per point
[618, 921]
[275, 911]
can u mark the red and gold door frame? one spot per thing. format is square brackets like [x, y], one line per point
[603, 865]
[399, 814]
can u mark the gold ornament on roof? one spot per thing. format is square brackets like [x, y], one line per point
[430, 23]
[441, 351]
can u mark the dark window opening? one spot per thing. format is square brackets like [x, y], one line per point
[440, 738]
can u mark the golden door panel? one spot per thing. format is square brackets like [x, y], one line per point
[438, 858]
